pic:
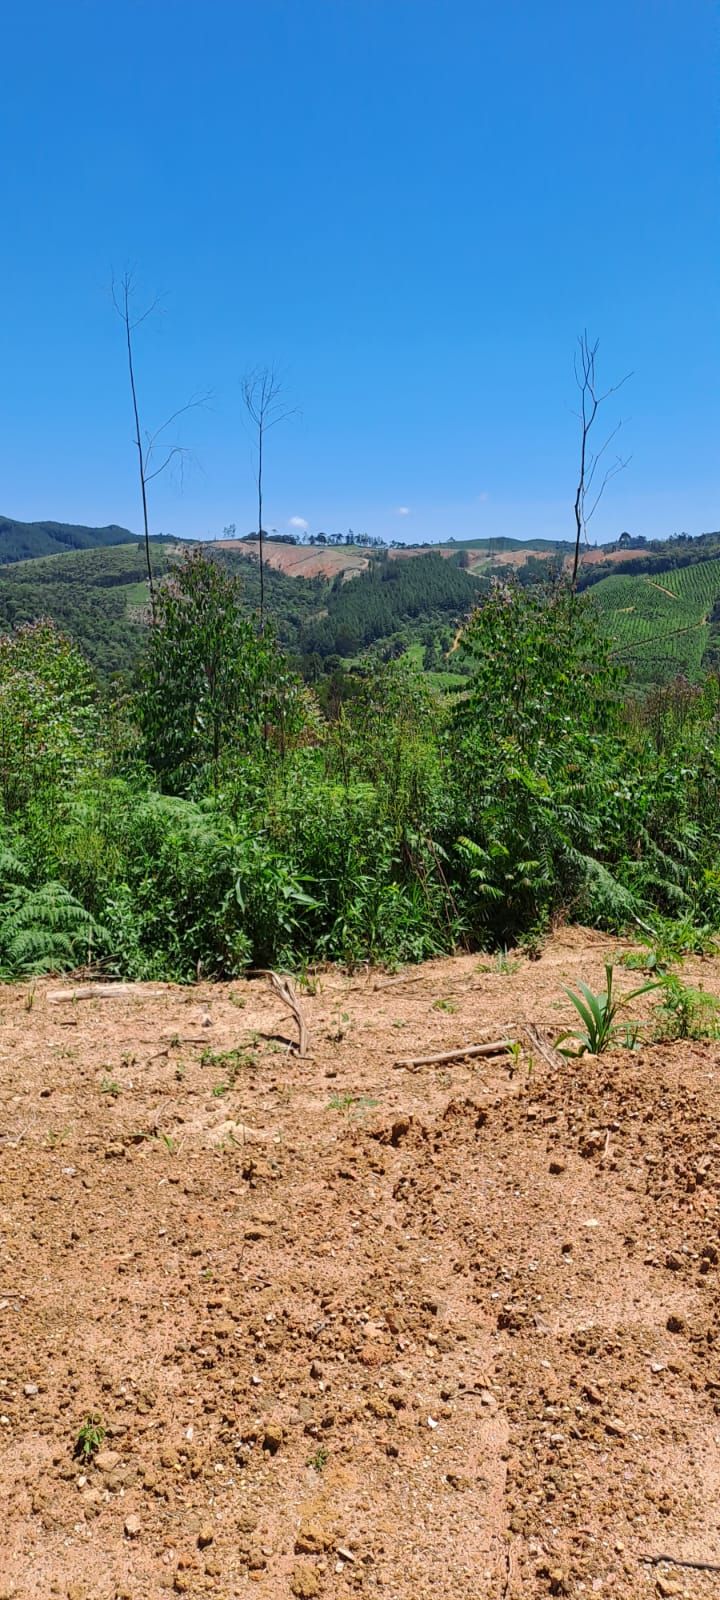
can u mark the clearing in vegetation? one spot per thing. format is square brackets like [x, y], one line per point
[358, 1286]
[349, 1329]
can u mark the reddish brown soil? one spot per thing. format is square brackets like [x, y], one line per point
[302, 561]
[352, 1329]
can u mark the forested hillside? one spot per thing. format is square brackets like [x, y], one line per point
[378, 602]
[660, 613]
[22, 541]
[99, 597]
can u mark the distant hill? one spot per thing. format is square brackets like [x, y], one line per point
[660, 603]
[24, 541]
[99, 597]
[496, 546]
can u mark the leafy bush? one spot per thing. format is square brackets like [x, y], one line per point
[219, 819]
[685, 1012]
[210, 682]
[48, 721]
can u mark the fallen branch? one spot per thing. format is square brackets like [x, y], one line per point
[176, 1039]
[102, 991]
[496, 1047]
[405, 977]
[677, 1561]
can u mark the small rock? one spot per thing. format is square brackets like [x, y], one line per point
[312, 1539]
[30, 1389]
[106, 1460]
[316, 1370]
[132, 1527]
[206, 1534]
[557, 1168]
[667, 1587]
[304, 1583]
[458, 1481]
[675, 1323]
[615, 1428]
[674, 1262]
[273, 1437]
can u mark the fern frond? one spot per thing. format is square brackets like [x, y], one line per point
[44, 930]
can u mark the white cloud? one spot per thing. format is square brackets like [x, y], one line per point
[299, 522]
[402, 511]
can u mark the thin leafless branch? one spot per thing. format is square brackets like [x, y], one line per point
[263, 396]
[584, 368]
[177, 450]
[122, 297]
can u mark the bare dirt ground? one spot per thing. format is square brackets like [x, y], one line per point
[353, 1329]
[302, 561]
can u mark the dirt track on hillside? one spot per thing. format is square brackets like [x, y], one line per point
[352, 1329]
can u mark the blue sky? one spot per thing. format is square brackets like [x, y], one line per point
[411, 207]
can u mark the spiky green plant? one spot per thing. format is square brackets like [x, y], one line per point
[599, 1014]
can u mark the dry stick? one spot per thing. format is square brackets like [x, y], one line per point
[102, 991]
[175, 1038]
[551, 1055]
[496, 1047]
[405, 977]
[677, 1561]
[286, 991]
